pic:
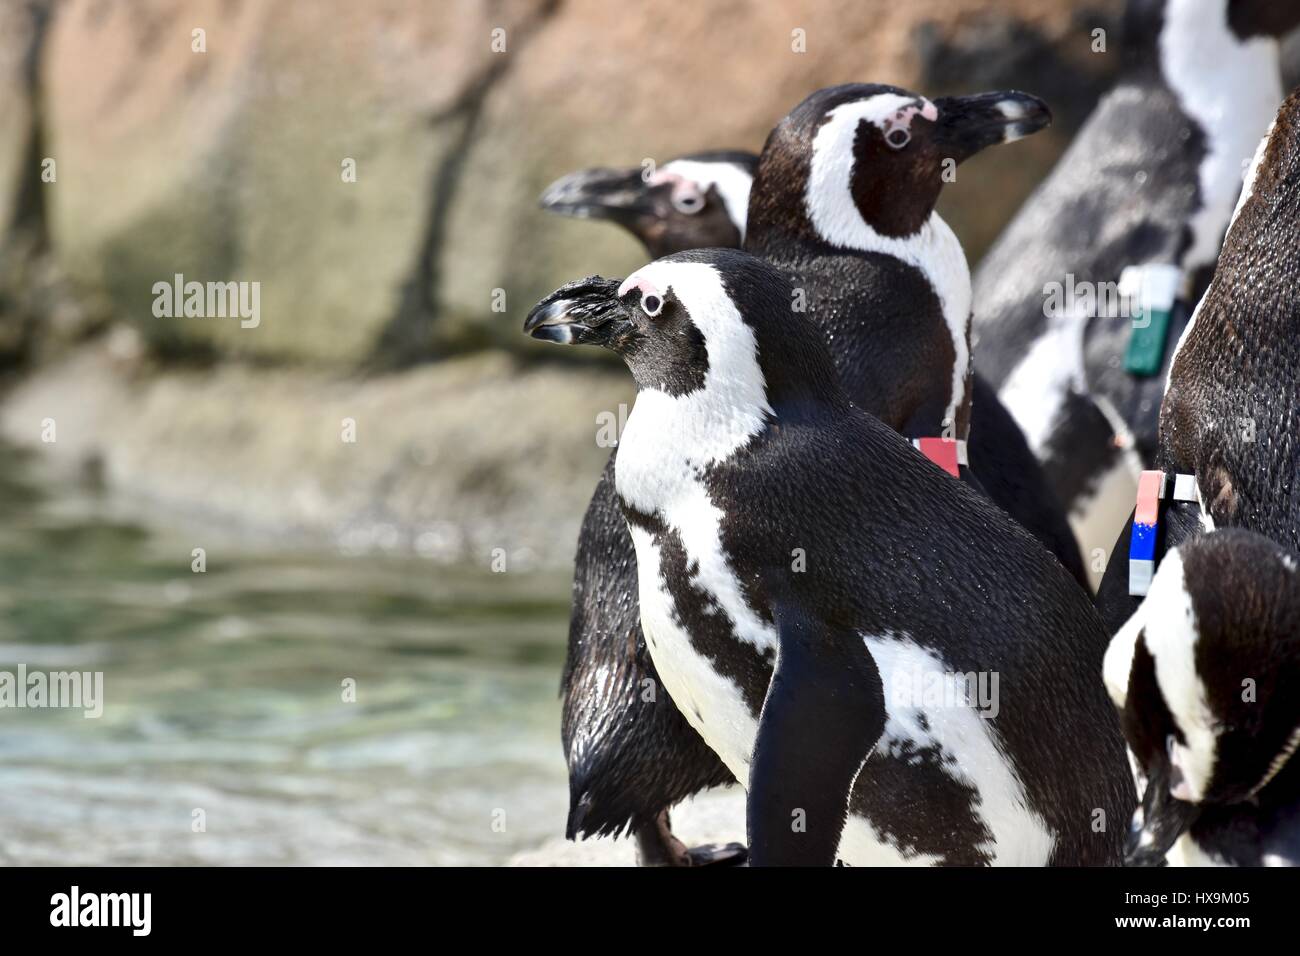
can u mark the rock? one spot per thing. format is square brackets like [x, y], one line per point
[453, 459]
[228, 164]
[19, 25]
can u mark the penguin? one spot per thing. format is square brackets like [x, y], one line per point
[896, 671]
[647, 205]
[1227, 432]
[630, 755]
[843, 200]
[1079, 302]
[1206, 677]
[698, 201]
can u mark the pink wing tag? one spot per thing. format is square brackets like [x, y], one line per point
[941, 451]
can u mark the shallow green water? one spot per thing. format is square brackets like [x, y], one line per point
[223, 692]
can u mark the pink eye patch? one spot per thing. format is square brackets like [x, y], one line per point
[634, 281]
[685, 192]
[902, 119]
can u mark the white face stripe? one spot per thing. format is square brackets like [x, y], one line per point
[829, 200]
[1234, 101]
[934, 249]
[733, 183]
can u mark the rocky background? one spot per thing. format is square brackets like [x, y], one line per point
[377, 295]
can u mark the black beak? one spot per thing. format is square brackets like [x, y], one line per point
[583, 312]
[968, 124]
[621, 195]
[1158, 822]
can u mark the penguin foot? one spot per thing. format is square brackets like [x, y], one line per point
[657, 846]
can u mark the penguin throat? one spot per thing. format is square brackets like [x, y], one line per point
[670, 440]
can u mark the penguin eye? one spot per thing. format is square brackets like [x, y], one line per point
[898, 138]
[652, 304]
[690, 203]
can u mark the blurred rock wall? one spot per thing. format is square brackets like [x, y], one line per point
[134, 147]
[228, 164]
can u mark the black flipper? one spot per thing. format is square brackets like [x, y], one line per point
[824, 712]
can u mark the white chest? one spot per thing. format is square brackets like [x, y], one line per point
[711, 702]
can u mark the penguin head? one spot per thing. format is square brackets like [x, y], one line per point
[1206, 676]
[694, 202]
[875, 154]
[683, 322]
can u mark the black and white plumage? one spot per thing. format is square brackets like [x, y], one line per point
[631, 755]
[843, 201]
[1151, 177]
[1233, 391]
[1206, 676]
[1224, 606]
[743, 449]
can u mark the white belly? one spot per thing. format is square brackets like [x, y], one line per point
[711, 702]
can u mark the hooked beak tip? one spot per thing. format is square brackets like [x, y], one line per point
[1024, 114]
[594, 194]
[577, 313]
[550, 323]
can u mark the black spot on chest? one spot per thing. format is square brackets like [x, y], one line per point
[706, 624]
[913, 801]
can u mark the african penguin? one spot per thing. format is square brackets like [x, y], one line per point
[1206, 676]
[630, 756]
[896, 671]
[695, 202]
[1079, 302]
[1228, 419]
[843, 200]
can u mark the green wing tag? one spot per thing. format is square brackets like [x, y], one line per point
[1152, 289]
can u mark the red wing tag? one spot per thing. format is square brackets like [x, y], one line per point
[1151, 486]
[941, 451]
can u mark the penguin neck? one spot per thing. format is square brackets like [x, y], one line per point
[935, 252]
[1231, 88]
[669, 440]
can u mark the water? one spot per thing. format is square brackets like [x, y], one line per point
[224, 694]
